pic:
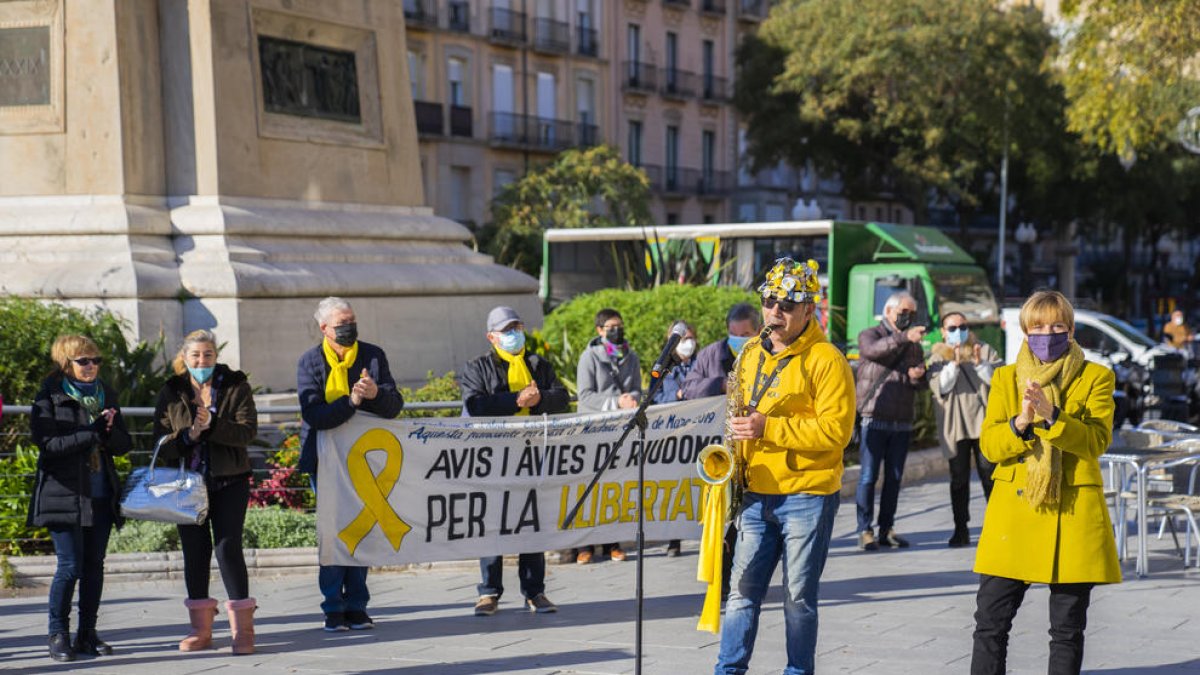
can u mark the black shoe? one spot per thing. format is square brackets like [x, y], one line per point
[673, 548]
[358, 620]
[60, 647]
[335, 622]
[960, 538]
[88, 642]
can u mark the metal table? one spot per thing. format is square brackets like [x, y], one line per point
[1141, 460]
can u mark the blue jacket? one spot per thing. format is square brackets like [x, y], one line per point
[311, 373]
[707, 376]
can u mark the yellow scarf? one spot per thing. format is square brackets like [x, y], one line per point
[519, 376]
[1043, 485]
[338, 383]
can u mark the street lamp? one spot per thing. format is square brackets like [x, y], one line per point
[1026, 235]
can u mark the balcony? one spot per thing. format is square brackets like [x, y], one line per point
[588, 135]
[459, 19]
[430, 121]
[420, 14]
[641, 77]
[713, 7]
[461, 122]
[532, 132]
[679, 84]
[679, 4]
[752, 10]
[674, 181]
[713, 89]
[550, 36]
[586, 43]
[508, 27]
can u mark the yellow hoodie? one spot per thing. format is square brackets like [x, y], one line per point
[810, 416]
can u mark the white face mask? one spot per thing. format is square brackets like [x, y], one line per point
[686, 348]
[1178, 320]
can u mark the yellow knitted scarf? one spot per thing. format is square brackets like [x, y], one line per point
[519, 376]
[338, 383]
[1043, 486]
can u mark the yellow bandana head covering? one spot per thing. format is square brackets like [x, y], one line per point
[790, 280]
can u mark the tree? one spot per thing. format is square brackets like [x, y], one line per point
[900, 95]
[580, 188]
[1132, 71]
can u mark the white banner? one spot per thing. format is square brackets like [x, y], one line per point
[420, 490]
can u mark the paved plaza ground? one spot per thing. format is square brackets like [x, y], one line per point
[906, 611]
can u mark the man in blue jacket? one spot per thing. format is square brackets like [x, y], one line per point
[334, 380]
[510, 380]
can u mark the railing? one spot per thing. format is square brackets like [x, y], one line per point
[677, 3]
[532, 132]
[459, 18]
[270, 435]
[676, 180]
[551, 36]
[713, 89]
[678, 83]
[462, 121]
[589, 135]
[430, 120]
[420, 13]
[508, 26]
[639, 76]
[712, 6]
[586, 43]
[752, 10]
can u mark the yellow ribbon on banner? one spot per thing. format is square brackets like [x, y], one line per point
[374, 490]
[712, 554]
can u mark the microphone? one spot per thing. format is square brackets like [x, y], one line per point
[667, 357]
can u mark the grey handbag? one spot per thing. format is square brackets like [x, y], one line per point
[165, 495]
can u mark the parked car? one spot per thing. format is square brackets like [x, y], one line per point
[1153, 379]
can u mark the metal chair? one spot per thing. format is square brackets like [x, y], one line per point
[1170, 426]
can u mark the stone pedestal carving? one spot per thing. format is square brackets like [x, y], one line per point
[265, 159]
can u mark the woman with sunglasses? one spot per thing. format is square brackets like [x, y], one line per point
[78, 429]
[960, 375]
[205, 415]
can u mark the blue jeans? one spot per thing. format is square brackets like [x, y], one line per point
[531, 570]
[881, 442]
[796, 527]
[80, 552]
[344, 587]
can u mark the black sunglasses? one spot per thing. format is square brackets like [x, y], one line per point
[784, 305]
[89, 360]
[954, 329]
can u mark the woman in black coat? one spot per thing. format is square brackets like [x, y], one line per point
[78, 429]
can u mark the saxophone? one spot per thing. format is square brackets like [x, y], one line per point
[718, 464]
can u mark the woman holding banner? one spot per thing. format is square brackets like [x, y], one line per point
[205, 415]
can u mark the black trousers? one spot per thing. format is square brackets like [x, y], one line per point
[960, 479]
[222, 531]
[997, 603]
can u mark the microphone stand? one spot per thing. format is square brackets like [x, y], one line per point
[639, 422]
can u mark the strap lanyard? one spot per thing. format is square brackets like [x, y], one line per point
[757, 391]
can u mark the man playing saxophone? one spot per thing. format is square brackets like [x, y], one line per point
[799, 397]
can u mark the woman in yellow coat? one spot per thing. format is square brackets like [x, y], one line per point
[1049, 418]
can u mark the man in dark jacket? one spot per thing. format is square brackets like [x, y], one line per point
[335, 380]
[891, 369]
[713, 363]
[511, 381]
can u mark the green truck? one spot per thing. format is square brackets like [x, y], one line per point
[862, 264]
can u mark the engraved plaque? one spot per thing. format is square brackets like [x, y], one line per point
[307, 80]
[25, 66]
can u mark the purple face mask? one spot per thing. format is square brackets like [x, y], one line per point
[1049, 347]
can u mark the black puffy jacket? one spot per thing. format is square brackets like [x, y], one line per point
[65, 437]
[484, 384]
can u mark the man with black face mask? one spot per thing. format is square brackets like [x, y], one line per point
[609, 377]
[891, 368]
[334, 380]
